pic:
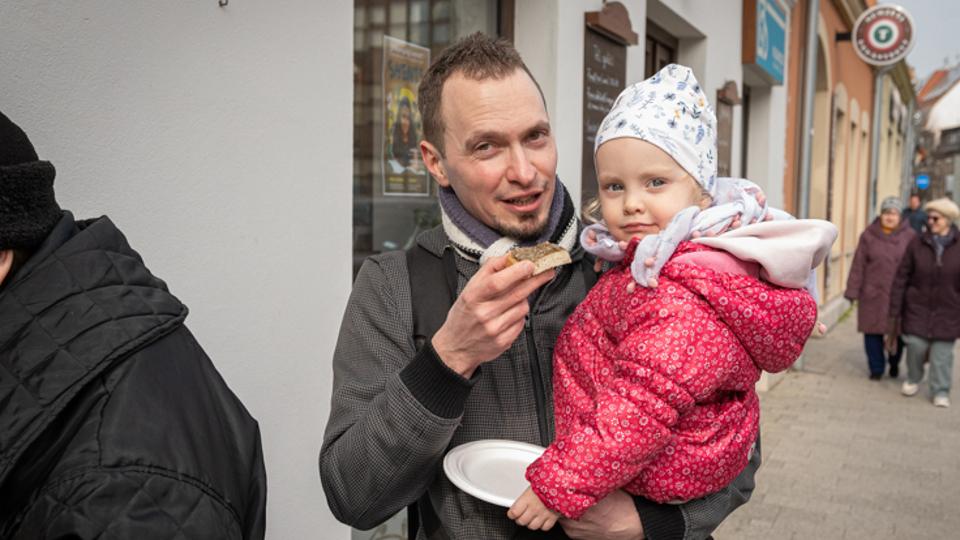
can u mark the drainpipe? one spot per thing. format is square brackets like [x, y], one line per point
[909, 142]
[878, 75]
[809, 87]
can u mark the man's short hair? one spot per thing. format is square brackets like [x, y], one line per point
[478, 57]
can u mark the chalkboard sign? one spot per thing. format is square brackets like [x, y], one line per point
[604, 72]
[726, 99]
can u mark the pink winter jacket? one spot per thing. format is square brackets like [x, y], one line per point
[654, 390]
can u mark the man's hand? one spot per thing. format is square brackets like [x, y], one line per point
[488, 315]
[613, 518]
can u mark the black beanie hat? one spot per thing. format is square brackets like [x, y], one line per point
[28, 209]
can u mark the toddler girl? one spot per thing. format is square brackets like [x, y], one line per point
[654, 385]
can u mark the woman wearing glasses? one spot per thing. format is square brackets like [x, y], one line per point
[925, 301]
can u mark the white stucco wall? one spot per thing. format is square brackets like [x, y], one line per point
[219, 140]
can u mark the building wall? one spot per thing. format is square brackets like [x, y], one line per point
[218, 140]
[892, 139]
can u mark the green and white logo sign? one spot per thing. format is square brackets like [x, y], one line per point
[883, 35]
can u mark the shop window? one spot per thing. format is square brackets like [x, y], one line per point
[661, 49]
[394, 197]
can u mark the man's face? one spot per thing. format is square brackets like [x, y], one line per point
[914, 202]
[500, 155]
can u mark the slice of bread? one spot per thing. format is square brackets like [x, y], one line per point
[544, 256]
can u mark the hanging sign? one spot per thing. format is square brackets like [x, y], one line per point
[764, 41]
[883, 35]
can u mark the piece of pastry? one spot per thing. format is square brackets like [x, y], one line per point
[544, 256]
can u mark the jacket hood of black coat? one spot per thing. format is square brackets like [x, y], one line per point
[82, 302]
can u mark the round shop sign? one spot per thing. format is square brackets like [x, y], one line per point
[883, 35]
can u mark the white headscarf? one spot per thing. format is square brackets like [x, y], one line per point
[670, 111]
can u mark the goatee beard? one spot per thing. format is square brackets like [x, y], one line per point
[524, 233]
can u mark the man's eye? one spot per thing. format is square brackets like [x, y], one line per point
[482, 147]
[537, 135]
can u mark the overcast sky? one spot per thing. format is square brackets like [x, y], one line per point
[938, 33]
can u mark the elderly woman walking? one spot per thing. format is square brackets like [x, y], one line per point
[875, 263]
[925, 301]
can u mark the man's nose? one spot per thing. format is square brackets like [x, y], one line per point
[520, 170]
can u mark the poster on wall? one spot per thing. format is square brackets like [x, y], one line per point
[404, 65]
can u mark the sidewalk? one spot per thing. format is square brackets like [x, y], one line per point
[846, 457]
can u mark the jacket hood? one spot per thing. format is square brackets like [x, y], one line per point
[81, 303]
[752, 309]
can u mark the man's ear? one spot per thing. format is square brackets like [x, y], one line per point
[6, 263]
[433, 160]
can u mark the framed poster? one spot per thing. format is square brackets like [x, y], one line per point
[404, 65]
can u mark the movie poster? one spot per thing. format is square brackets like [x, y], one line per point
[404, 64]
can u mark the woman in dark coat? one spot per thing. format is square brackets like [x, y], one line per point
[925, 301]
[875, 263]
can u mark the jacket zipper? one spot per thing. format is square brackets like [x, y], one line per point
[539, 392]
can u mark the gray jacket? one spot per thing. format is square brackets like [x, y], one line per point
[396, 412]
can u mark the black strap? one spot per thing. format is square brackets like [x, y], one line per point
[433, 286]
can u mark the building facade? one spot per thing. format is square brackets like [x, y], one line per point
[255, 153]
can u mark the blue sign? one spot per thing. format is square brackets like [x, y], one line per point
[923, 181]
[771, 39]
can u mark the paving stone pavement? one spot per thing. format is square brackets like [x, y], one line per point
[845, 457]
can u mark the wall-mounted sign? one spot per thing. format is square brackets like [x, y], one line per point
[404, 64]
[883, 35]
[764, 41]
[607, 34]
[923, 181]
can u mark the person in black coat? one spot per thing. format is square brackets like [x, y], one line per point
[114, 423]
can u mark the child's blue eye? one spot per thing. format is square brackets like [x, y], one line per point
[613, 187]
[656, 182]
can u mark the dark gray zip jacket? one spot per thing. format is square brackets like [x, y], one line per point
[113, 421]
[396, 412]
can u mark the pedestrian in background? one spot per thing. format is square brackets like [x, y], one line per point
[925, 301]
[914, 215]
[879, 252]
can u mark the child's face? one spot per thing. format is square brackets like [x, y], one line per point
[642, 188]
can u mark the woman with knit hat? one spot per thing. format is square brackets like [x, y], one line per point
[925, 301]
[875, 263]
[654, 372]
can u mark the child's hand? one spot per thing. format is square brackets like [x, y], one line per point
[528, 511]
[820, 329]
[591, 240]
[651, 283]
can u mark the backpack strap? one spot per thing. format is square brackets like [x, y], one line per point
[433, 287]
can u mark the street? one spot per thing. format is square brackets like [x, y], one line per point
[846, 457]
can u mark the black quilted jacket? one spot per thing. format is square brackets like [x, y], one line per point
[113, 421]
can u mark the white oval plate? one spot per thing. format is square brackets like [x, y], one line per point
[491, 470]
